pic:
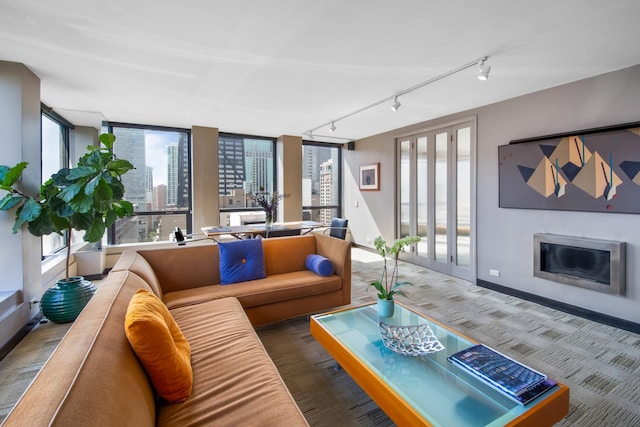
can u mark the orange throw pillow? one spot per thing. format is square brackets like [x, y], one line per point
[160, 346]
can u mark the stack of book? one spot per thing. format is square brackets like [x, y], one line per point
[513, 379]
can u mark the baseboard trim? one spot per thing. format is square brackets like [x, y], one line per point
[564, 307]
[14, 340]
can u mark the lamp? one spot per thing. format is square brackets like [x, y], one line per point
[484, 75]
[396, 104]
[483, 70]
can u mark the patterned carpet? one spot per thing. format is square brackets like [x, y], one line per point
[599, 363]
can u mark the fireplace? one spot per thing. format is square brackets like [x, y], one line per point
[589, 263]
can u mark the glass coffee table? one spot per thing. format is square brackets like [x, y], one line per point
[427, 389]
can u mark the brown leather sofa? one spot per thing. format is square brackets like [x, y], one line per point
[95, 378]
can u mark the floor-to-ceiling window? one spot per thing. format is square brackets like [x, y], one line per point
[321, 181]
[55, 155]
[246, 166]
[435, 194]
[160, 185]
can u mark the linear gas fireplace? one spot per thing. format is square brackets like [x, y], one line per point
[589, 263]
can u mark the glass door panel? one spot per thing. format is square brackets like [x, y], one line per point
[441, 196]
[405, 188]
[463, 196]
[422, 181]
[435, 195]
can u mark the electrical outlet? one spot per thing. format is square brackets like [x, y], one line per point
[32, 303]
[494, 272]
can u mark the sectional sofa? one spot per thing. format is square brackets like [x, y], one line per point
[95, 377]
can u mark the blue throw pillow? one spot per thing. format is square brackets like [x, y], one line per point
[241, 260]
[318, 264]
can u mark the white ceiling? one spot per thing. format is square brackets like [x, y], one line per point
[286, 66]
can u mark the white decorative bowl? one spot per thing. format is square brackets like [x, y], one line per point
[414, 340]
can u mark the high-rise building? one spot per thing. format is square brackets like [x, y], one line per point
[231, 169]
[130, 145]
[259, 166]
[160, 197]
[312, 157]
[172, 174]
[149, 189]
[326, 190]
[182, 195]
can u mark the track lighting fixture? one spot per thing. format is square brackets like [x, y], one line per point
[396, 104]
[483, 70]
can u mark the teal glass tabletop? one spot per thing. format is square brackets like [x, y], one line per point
[440, 392]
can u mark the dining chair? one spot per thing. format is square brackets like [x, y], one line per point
[338, 228]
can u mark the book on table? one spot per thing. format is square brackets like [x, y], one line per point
[511, 378]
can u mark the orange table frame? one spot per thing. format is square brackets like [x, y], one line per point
[546, 413]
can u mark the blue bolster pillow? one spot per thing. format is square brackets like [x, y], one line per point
[318, 264]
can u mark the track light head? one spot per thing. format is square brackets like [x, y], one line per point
[483, 70]
[396, 104]
[332, 128]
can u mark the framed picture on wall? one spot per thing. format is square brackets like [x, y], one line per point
[593, 170]
[370, 177]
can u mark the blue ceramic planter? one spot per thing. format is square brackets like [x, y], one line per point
[64, 301]
[385, 307]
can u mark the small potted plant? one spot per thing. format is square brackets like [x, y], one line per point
[88, 197]
[269, 203]
[388, 286]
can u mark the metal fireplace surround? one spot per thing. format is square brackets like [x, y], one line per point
[594, 264]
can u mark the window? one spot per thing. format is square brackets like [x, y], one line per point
[160, 185]
[55, 155]
[321, 181]
[246, 165]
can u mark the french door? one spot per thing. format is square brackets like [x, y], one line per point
[436, 189]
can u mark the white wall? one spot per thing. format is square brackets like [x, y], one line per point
[505, 236]
[20, 123]
[20, 141]
[370, 213]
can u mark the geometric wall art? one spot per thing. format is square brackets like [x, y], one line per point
[596, 170]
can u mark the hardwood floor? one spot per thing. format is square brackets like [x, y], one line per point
[23, 362]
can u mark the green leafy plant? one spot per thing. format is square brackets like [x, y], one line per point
[87, 197]
[388, 286]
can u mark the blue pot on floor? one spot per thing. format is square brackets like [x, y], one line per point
[385, 307]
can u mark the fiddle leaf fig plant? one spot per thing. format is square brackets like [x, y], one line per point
[88, 197]
[387, 286]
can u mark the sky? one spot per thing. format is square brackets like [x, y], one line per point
[156, 153]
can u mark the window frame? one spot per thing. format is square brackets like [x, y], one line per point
[274, 167]
[340, 147]
[188, 211]
[65, 161]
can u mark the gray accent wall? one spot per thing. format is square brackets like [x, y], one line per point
[505, 236]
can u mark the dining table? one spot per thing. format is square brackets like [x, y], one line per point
[252, 231]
